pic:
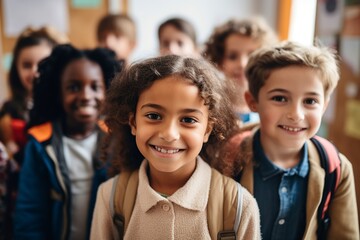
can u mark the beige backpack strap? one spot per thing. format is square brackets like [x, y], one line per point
[124, 196]
[223, 212]
[215, 204]
[130, 196]
[112, 208]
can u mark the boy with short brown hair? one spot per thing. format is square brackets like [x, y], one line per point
[118, 33]
[290, 87]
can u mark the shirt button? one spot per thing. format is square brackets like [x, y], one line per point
[281, 221]
[284, 189]
[165, 207]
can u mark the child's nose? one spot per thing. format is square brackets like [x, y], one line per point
[108, 42]
[243, 60]
[296, 113]
[169, 132]
[86, 93]
[34, 71]
[174, 48]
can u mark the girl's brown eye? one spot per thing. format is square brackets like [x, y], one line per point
[26, 65]
[153, 116]
[188, 120]
[165, 44]
[231, 56]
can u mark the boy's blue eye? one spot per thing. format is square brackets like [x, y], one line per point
[279, 98]
[310, 101]
[153, 116]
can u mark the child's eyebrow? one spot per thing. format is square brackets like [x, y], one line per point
[152, 105]
[278, 90]
[159, 107]
[80, 82]
[71, 81]
[281, 90]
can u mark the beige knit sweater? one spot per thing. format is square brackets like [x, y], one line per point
[180, 216]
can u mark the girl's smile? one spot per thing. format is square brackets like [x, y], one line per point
[171, 126]
[83, 91]
[86, 110]
[166, 150]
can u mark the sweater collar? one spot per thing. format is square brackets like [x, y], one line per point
[193, 195]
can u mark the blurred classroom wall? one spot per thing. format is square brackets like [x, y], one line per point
[81, 18]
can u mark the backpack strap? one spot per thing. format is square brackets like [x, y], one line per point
[223, 217]
[331, 162]
[239, 207]
[116, 224]
[122, 200]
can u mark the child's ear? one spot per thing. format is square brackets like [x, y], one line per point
[132, 123]
[208, 131]
[251, 102]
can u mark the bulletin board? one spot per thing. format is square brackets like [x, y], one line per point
[83, 16]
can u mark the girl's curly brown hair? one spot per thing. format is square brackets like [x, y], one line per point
[123, 96]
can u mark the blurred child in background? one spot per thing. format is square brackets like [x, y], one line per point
[229, 48]
[62, 170]
[31, 47]
[118, 33]
[177, 36]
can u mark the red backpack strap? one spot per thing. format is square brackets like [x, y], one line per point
[333, 155]
[330, 161]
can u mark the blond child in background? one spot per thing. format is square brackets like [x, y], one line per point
[118, 33]
[229, 48]
[290, 87]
